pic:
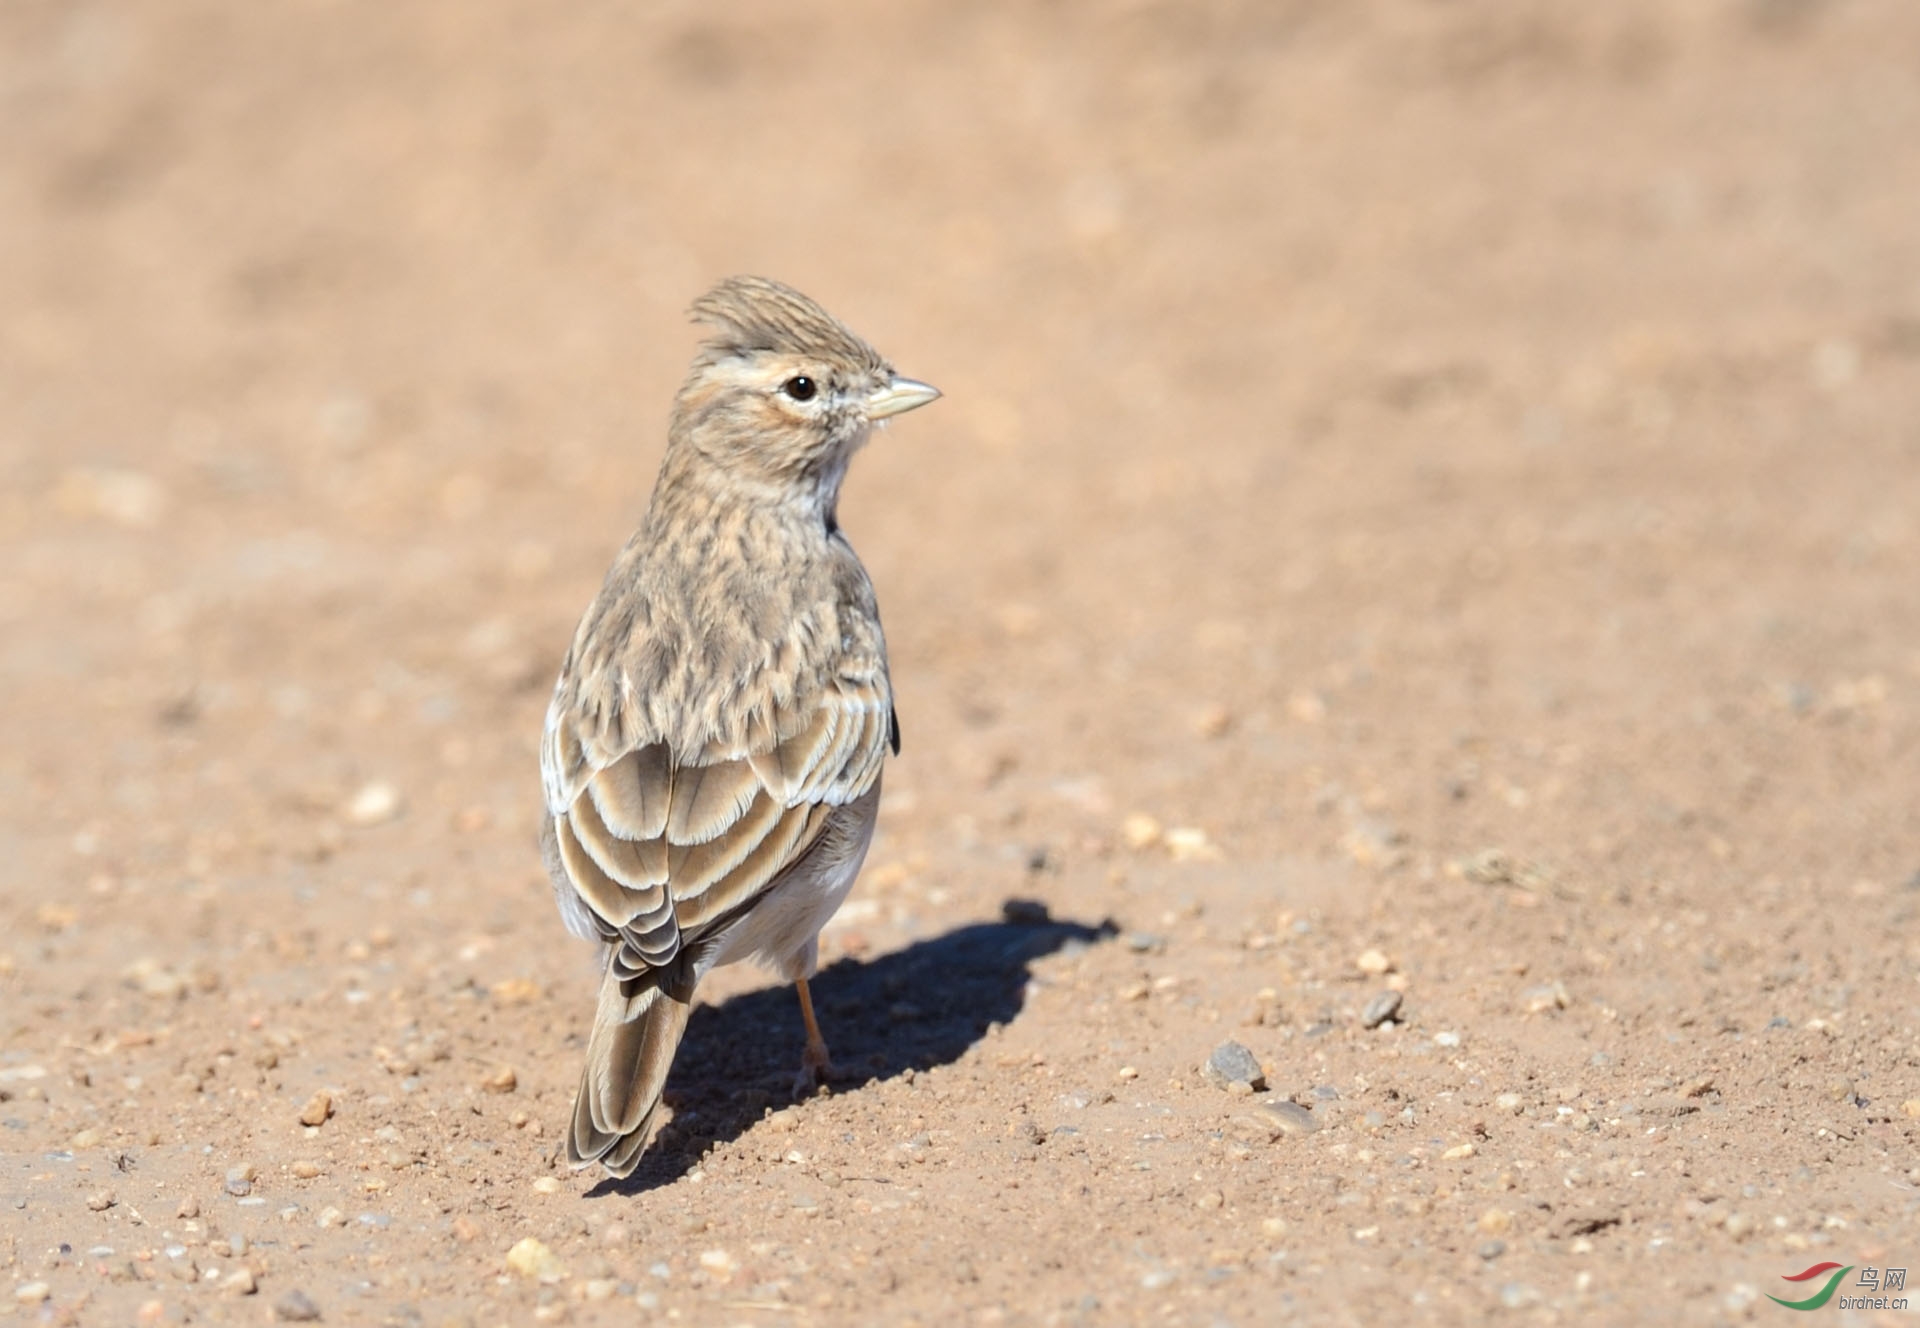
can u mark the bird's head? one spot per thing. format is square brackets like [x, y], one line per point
[783, 393]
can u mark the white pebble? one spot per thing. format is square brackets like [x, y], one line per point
[374, 804]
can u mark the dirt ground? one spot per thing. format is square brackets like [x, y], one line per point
[1426, 507]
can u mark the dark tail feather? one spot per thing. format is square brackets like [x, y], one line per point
[635, 1033]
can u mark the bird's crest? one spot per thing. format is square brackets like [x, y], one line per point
[752, 314]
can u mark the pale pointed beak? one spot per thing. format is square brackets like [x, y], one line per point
[900, 396]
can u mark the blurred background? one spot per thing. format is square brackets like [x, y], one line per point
[337, 339]
[1515, 362]
[1374, 431]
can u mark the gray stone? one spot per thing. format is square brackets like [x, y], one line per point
[1232, 1063]
[1289, 1117]
[1381, 1008]
[296, 1307]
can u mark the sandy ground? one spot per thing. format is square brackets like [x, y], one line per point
[1427, 506]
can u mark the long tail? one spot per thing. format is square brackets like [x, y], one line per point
[636, 1030]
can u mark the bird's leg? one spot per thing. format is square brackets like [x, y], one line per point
[814, 1063]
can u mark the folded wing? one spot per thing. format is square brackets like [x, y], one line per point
[659, 845]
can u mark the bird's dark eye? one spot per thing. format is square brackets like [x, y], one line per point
[800, 388]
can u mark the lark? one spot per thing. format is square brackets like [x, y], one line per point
[713, 749]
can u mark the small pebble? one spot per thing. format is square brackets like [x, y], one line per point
[156, 979]
[1518, 1295]
[304, 1170]
[1307, 707]
[296, 1307]
[318, 1108]
[1025, 913]
[1380, 1009]
[32, 1293]
[547, 1185]
[1547, 996]
[515, 991]
[1283, 1117]
[1459, 1152]
[1373, 963]
[502, 1080]
[1492, 1249]
[1231, 1063]
[240, 1283]
[373, 804]
[1140, 831]
[531, 1259]
[238, 1188]
[188, 1208]
[101, 1200]
[1188, 843]
[1145, 942]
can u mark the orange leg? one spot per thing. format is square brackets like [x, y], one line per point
[814, 1063]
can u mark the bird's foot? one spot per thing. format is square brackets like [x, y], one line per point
[815, 1069]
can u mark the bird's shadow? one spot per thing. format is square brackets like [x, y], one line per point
[910, 1010]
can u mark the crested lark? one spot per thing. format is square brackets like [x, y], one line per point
[713, 749]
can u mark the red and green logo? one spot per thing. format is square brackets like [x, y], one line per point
[1820, 1297]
